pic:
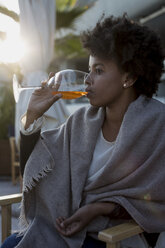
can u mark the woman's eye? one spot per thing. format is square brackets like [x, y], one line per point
[98, 71]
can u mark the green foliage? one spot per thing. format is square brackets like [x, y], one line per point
[69, 47]
[7, 110]
[66, 13]
[63, 4]
[65, 18]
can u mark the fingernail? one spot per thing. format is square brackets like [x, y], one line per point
[62, 224]
[59, 95]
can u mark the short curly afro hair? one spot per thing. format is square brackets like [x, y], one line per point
[135, 48]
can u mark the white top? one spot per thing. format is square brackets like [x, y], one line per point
[33, 128]
[103, 150]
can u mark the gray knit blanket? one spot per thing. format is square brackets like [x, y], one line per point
[54, 182]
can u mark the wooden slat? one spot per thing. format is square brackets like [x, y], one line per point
[14, 159]
[16, 164]
[10, 199]
[6, 221]
[5, 203]
[120, 232]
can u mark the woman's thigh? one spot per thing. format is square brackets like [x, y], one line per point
[93, 243]
[11, 241]
[89, 242]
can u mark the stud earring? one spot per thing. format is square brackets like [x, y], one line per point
[124, 85]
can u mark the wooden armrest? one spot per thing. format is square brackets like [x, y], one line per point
[120, 232]
[5, 203]
[10, 199]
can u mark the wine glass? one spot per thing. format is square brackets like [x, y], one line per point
[70, 83]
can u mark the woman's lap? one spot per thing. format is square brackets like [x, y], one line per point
[89, 242]
[93, 243]
[11, 241]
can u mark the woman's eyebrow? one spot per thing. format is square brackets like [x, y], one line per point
[96, 64]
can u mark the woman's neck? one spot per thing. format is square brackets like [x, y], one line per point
[116, 111]
[114, 116]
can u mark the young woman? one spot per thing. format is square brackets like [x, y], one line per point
[106, 163]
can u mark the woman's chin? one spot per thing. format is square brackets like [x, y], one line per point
[95, 104]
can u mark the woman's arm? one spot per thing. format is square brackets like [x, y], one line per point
[83, 216]
[41, 100]
[27, 143]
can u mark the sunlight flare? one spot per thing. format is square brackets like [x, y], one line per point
[12, 49]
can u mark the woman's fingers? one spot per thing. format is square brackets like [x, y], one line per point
[60, 220]
[59, 227]
[43, 84]
[68, 221]
[67, 227]
[69, 230]
[50, 80]
[56, 97]
[51, 74]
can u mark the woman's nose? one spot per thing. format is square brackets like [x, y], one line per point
[88, 79]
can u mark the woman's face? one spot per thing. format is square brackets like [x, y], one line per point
[105, 82]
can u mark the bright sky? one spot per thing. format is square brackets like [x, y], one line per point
[12, 48]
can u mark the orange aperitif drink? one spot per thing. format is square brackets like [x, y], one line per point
[70, 94]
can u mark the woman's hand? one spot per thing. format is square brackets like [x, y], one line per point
[82, 217]
[41, 100]
[76, 222]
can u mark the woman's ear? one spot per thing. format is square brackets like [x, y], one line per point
[129, 80]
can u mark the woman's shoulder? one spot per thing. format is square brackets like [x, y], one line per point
[154, 110]
[157, 105]
[149, 105]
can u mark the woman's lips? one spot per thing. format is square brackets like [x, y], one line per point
[89, 92]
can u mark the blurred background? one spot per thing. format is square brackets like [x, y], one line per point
[39, 36]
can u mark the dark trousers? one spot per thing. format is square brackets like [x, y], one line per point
[11, 241]
[89, 242]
